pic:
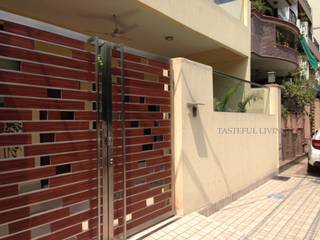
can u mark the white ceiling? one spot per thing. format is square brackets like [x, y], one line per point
[94, 16]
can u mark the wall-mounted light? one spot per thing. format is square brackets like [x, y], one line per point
[271, 77]
[194, 108]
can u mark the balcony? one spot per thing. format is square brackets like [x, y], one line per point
[306, 8]
[273, 44]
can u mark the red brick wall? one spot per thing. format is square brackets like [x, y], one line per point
[47, 135]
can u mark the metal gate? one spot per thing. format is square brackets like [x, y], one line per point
[48, 145]
[139, 138]
[58, 116]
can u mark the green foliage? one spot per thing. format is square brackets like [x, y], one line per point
[260, 6]
[297, 94]
[284, 112]
[221, 105]
[242, 106]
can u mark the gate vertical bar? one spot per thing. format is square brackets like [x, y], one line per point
[98, 110]
[106, 52]
[123, 125]
[96, 42]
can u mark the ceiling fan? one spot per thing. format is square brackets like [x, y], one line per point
[118, 31]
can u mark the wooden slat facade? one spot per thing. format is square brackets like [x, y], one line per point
[48, 183]
[48, 175]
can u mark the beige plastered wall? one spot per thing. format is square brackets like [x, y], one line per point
[209, 19]
[210, 166]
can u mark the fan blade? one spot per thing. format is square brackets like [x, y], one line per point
[115, 21]
[111, 35]
[125, 15]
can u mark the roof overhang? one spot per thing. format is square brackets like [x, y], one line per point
[94, 18]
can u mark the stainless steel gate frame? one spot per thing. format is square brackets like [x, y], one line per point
[104, 117]
[108, 161]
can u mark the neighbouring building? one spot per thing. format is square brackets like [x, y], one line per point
[283, 41]
[153, 117]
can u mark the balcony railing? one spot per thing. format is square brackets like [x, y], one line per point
[292, 17]
[233, 94]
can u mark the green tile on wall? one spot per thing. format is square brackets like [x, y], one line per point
[9, 64]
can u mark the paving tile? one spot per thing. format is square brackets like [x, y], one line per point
[276, 210]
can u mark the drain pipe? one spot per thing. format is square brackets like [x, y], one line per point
[96, 42]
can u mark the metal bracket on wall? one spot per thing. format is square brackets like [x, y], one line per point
[194, 107]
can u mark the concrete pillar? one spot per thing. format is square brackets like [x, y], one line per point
[192, 83]
[275, 109]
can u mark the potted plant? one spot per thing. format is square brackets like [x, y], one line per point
[260, 6]
[242, 106]
[220, 105]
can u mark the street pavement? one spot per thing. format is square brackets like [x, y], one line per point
[286, 207]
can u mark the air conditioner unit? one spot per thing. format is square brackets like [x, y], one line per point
[304, 28]
[299, 23]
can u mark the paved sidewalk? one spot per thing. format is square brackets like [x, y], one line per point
[299, 169]
[285, 208]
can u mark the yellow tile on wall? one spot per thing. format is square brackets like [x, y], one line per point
[85, 86]
[35, 138]
[35, 115]
[144, 60]
[89, 47]
[114, 79]
[88, 106]
[51, 48]
[151, 77]
[115, 63]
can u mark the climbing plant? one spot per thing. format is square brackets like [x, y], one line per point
[298, 94]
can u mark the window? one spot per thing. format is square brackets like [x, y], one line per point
[292, 17]
[285, 38]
